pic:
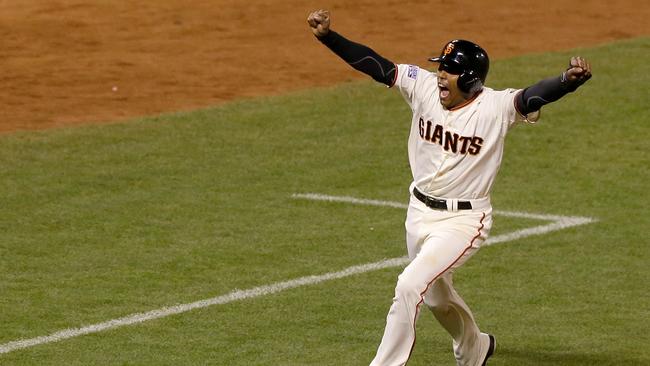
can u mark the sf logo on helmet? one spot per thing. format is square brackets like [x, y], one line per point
[448, 49]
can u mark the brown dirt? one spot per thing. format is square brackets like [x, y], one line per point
[72, 62]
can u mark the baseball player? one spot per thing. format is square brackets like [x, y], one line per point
[455, 148]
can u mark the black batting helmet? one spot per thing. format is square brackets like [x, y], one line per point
[466, 59]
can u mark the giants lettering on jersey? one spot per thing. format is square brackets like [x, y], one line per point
[450, 141]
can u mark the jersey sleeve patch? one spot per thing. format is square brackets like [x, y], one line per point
[413, 72]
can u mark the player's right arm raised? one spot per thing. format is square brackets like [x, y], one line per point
[551, 89]
[358, 56]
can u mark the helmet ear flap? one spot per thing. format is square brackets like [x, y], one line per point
[469, 82]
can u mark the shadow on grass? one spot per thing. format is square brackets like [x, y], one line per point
[548, 357]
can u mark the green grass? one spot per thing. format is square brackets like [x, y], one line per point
[104, 221]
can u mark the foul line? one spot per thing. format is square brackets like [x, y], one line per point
[558, 223]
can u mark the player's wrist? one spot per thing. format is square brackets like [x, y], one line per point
[571, 85]
[565, 84]
[327, 37]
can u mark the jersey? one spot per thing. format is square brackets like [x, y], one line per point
[455, 153]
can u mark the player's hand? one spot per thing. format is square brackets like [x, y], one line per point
[579, 71]
[319, 21]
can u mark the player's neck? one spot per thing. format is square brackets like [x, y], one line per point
[465, 102]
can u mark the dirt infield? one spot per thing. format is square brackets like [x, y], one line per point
[71, 62]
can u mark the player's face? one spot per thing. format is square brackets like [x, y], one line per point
[450, 95]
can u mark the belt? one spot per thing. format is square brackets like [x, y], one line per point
[439, 204]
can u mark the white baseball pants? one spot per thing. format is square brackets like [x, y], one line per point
[438, 242]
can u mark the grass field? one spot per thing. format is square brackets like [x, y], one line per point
[101, 222]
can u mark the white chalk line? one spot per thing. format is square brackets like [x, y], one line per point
[182, 308]
[559, 222]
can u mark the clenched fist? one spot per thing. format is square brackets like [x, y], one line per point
[579, 71]
[319, 21]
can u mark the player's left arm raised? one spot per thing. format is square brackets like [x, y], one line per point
[549, 90]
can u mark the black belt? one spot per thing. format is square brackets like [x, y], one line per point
[439, 204]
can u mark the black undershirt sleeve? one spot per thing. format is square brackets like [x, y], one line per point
[544, 92]
[361, 58]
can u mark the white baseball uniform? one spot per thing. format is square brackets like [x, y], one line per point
[454, 156]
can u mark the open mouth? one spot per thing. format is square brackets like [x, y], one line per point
[444, 91]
